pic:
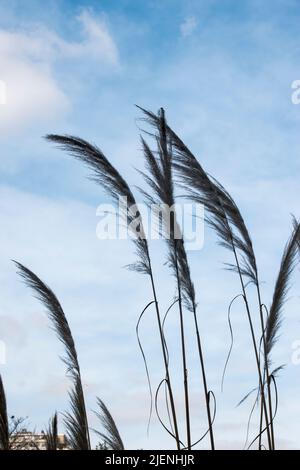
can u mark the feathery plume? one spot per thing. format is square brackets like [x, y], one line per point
[104, 173]
[51, 434]
[76, 422]
[111, 436]
[287, 265]
[4, 428]
[110, 179]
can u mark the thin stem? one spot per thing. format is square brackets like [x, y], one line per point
[184, 363]
[261, 420]
[266, 366]
[211, 435]
[250, 324]
[85, 414]
[162, 339]
[249, 318]
[254, 346]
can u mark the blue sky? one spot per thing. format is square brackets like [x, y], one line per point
[223, 71]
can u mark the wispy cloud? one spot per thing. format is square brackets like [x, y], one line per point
[32, 93]
[28, 60]
[188, 26]
[99, 42]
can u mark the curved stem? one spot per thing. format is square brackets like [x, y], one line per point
[211, 435]
[261, 420]
[162, 339]
[184, 363]
[254, 346]
[249, 319]
[266, 366]
[85, 413]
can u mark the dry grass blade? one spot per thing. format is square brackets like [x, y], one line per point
[281, 288]
[107, 176]
[160, 179]
[111, 436]
[77, 426]
[219, 204]
[75, 421]
[226, 220]
[104, 173]
[51, 434]
[4, 428]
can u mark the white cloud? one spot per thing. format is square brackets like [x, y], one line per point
[32, 93]
[27, 69]
[188, 26]
[99, 42]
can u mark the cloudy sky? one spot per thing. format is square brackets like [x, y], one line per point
[223, 71]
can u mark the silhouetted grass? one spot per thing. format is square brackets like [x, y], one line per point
[169, 165]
